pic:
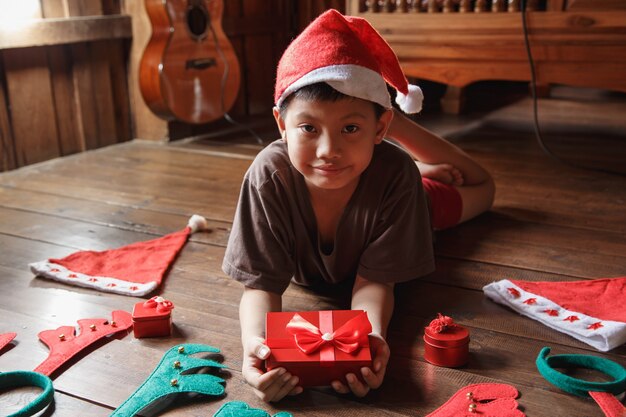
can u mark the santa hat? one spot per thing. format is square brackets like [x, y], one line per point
[592, 311]
[348, 54]
[136, 269]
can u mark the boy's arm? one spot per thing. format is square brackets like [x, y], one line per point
[277, 383]
[377, 300]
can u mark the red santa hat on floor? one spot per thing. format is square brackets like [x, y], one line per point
[348, 54]
[592, 311]
[136, 269]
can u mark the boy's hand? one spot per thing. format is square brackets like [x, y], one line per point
[373, 377]
[269, 386]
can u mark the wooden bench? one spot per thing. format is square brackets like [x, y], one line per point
[458, 42]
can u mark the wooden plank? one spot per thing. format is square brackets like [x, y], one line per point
[83, 96]
[557, 24]
[64, 104]
[59, 60]
[152, 223]
[260, 65]
[232, 14]
[8, 159]
[586, 199]
[119, 84]
[221, 201]
[94, 91]
[475, 275]
[555, 5]
[29, 94]
[100, 61]
[92, 188]
[594, 5]
[55, 31]
[555, 249]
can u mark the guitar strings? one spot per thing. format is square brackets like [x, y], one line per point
[223, 89]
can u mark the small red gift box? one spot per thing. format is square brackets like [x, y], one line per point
[446, 343]
[152, 318]
[319, 346]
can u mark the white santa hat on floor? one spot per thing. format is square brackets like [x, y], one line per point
[136, 269]
[592, 311]
[348, 54]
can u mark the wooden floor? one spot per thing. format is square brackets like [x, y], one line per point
[550, 222]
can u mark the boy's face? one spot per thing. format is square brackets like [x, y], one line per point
[331, 142]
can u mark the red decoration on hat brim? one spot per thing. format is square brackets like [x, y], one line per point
[590, 311]
[64, 344]
[600, 298]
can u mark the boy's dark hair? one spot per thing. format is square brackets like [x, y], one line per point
[320, 92]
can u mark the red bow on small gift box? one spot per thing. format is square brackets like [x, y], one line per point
[348, 338]
[153, 318]
[161, 304]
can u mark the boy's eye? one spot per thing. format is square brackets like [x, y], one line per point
[307, 128]
[351, 129]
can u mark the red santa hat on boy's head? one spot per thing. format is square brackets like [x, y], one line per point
[592, 311]
[136, 269]
[348, 54]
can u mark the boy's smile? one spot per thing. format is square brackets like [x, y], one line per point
[331, 142]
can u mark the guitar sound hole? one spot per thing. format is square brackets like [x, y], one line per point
[197, 21]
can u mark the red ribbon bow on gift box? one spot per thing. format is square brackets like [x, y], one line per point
[441, 324]
[348, 338]
[161, 304]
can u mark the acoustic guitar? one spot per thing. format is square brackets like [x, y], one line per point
[189, 70]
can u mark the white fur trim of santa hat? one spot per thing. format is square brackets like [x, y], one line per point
[603, 335]
[351, 80]
[60, 273]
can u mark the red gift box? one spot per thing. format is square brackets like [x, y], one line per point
[319, 346]
[152, 318]
[446, 344]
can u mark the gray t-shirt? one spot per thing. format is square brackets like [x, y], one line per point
[383, 235]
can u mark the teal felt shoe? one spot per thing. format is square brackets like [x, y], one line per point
[172, 376]
[241, 409]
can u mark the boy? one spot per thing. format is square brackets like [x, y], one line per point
[331, 201]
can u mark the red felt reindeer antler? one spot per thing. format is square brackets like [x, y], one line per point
[64, 343]
[6, 338]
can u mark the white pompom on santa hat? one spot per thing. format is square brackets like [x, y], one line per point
[592, 311]
[348, 54]
[135, 269]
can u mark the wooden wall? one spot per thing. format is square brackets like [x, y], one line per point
[63, 85]
[69, 82]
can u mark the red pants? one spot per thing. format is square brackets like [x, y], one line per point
[446, 204]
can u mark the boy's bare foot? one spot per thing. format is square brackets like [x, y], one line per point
[444, 173]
